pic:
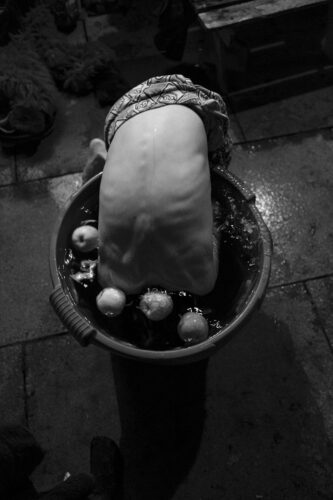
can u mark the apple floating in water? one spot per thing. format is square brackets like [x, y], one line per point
[156, 305]
[85, 238]
[111, 301]
[193, 328]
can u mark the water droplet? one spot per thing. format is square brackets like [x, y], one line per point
[69, 257]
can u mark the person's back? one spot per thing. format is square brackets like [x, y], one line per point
[155, 214]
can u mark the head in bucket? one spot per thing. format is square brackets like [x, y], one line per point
[155, 222]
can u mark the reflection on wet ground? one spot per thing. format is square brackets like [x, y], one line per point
[292, 180]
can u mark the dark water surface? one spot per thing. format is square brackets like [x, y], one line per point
[238, 256]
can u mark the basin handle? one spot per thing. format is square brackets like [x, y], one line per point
[80, 329]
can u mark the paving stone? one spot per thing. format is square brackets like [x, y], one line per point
[236, 132]
[308, 111]
[12, 410]
[322, 294]
[256, 422]
[293, 182]
[7, 168]
[131, 36]
[269, 427]
[71, 399]
[65, 150]
[28, 214]
[138, 70]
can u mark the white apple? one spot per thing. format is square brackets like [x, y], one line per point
[85, 238]
[193, 328]
[156, 305]
[111, 301]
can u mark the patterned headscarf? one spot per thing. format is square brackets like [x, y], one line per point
[176, 89]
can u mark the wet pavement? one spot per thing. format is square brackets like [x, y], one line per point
[255, 421]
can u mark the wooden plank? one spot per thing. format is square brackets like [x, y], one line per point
[225, 17]
[278, 81]
[280, 88]
[203, 5]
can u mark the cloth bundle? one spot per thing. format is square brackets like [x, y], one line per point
[27, 92]
[37, 62]
[74, 67]
[176, 89]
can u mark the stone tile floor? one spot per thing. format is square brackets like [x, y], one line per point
[255, 421]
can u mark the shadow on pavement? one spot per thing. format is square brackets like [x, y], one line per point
[162, 414]
[266, 433]
[248, 424]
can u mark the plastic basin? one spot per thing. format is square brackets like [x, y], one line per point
[251, 244]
